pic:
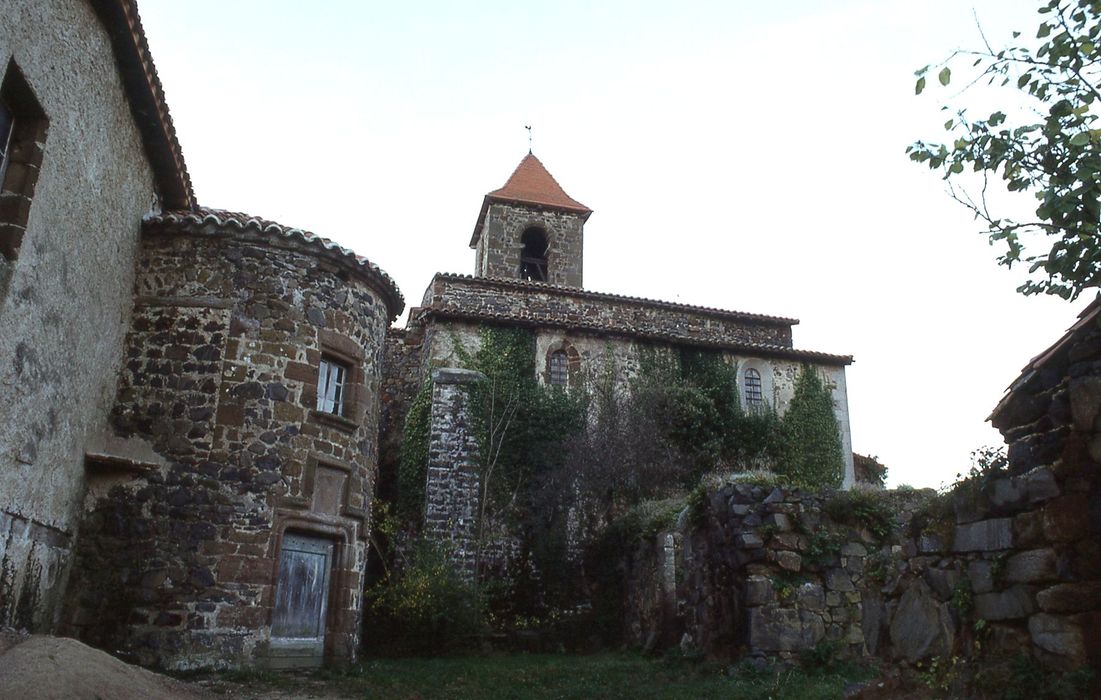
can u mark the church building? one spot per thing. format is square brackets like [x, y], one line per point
[191, 399]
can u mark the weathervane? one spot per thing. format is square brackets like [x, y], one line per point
[529, 138]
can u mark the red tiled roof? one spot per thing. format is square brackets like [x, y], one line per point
[530, 183]
[147, 104]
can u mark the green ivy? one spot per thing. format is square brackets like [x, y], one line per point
[866, 509]
[811, 440]
[521, 424]
[413, 467]
[696, 394]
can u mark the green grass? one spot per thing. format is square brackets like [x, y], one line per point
[557, 676]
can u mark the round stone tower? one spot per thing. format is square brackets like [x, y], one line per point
[227, 518]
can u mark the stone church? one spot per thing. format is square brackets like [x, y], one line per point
[191, 399]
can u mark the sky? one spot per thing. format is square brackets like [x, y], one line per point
[743, 155]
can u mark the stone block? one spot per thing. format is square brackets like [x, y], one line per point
[1010, 604]
[854, 549]
[759, 591]
[790, 540]
[984, 536]
[1085, 401]
[921, 626]
[774, 629]
[872, 623]
[1080, 596]
[1028, 528]
[1067, 518]
[1041, 485]
[839, 580]
[942, 582]
[813, 629]
[749, 540]
[1008, 493]
[1031, 566]
[811, 596]
[780, 521]
[1058, 635]
[980, 574]
[789, 561]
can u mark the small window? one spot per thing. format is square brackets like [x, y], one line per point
[6, 122]
[23, 128]
[533, 256]
[559, 369]
[753, 393]
[331, 380]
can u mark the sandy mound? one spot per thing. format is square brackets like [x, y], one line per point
[55, 667]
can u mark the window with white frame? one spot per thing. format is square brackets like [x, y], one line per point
[331, 381]
[754, 396]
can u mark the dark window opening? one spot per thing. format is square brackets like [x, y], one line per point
[7, 119]
[559, 368]
[533, 256]
[753, 394]
[23, 127]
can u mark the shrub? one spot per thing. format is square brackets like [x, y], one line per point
[862, 508]
[423, 608]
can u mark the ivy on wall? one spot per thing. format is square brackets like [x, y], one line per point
[694, 393]
[811, 441]
[413, 466]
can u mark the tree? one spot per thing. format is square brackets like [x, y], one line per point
[1050, 148]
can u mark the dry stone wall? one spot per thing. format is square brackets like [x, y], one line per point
[178, 562]
[1006, 566]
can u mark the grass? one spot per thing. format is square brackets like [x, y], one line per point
[554, 676]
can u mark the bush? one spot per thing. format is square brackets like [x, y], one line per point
[424, 608]
[862, 508]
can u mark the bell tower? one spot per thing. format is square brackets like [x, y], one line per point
[530, 229]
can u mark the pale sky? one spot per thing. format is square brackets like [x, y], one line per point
[745, 155]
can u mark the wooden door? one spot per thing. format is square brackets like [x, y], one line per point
[302, 599]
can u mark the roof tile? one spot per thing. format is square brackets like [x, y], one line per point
[532, 184]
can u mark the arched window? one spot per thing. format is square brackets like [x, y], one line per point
[753, 394]
[558, 368]
[533, 256]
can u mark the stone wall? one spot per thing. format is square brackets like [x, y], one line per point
[65, 296]
[536, 304]
[177, 562]
[453, 486]
[753, 570]
[497, 253]
[1005, 566]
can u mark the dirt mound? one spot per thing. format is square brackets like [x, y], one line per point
[43, 668]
